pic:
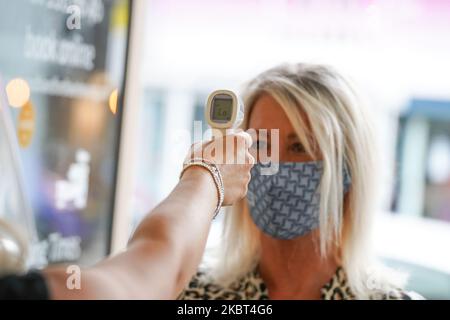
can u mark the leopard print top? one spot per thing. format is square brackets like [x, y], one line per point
[252, 287]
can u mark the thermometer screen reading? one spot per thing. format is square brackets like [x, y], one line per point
[222, 109]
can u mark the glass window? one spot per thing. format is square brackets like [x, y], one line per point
[63, 66]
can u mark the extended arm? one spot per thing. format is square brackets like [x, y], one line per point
[167, 246]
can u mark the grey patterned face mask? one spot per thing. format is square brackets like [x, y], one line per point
[286, 205]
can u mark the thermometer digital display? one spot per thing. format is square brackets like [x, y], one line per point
[224, 110]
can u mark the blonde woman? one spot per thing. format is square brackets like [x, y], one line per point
[303, 232]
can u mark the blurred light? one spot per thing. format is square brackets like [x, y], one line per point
[113, 101]
[18, 92]
[25, 125]
[439, 160]
[120, 15]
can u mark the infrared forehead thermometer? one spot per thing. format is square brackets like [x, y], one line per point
[224, 110]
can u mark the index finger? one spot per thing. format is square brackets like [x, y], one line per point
[248, 138]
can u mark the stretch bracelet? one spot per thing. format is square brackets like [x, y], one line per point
[212, 164]
[215, 173]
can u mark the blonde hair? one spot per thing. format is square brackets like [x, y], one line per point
[338, 128]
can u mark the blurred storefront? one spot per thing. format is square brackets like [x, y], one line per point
[63, 64]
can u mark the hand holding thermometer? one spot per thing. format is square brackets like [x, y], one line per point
[224, 110]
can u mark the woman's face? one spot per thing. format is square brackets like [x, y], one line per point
[268, 114]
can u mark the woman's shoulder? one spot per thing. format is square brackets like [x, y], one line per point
[338, 288]
[204, 287]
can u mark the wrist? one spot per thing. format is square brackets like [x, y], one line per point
[210, 169]
[197, 174]
[200, 179]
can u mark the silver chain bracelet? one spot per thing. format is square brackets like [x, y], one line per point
[215, 173]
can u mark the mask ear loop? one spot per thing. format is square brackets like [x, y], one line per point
[13, 249]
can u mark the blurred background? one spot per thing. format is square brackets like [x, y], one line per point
[156, 61]
[395, 52]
